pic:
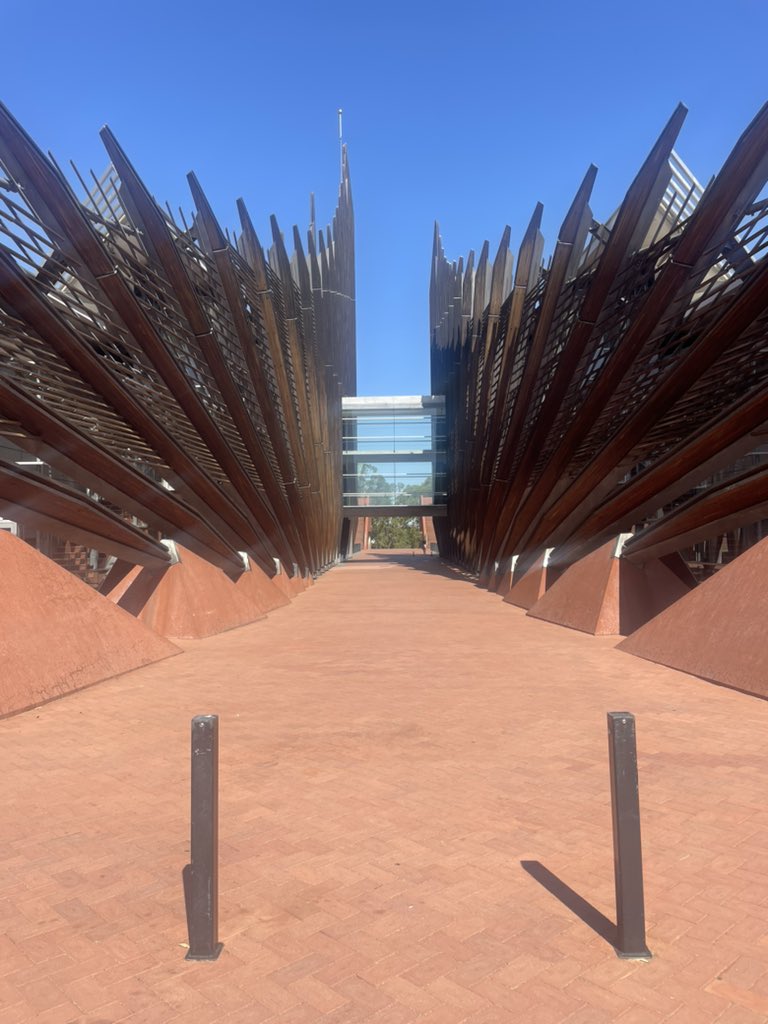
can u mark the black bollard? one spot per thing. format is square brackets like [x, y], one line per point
[201, 876]
[627, 852]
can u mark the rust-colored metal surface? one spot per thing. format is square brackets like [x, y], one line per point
[170, 379]
[618, 388]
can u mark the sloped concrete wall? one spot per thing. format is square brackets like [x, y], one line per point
[57, 634]
[718, 630]
[606, 595]
[192, 599]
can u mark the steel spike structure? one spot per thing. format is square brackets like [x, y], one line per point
[618, 388]
[163, 380]
[175, 383]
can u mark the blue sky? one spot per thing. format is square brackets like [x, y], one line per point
[463, 113]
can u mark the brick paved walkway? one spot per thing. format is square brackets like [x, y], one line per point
[405, 760]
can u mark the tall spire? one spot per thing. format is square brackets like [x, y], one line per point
[341, 147]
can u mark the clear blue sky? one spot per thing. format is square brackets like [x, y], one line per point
[464, 113]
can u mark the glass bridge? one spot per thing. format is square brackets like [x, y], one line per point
[394, 454]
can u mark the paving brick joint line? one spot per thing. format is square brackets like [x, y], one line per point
[396, 747]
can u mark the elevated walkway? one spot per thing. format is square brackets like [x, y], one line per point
[393, 450]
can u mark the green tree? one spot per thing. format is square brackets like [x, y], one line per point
[371, 482]
[395, 532]
[411, 494]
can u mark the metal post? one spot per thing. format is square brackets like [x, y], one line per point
[201, 876]
[627, 852]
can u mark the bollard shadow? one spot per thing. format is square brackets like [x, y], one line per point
[590, 915]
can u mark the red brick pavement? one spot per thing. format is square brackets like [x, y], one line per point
[393, 746]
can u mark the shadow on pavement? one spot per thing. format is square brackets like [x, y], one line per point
[432, 564]
[590, 915]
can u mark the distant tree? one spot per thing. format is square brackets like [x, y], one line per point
[395, 532]
[411, 494]
[371, 482]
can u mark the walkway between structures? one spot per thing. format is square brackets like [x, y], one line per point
[415, 825]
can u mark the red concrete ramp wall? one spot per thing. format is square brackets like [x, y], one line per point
[484, 577]
[57, 634]
[527, 590]
[586, 596]
[263, 590]
[717, 631]
[291, 586]
[647, 590]
[605, 595]
[500, 582]
[192, 599]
